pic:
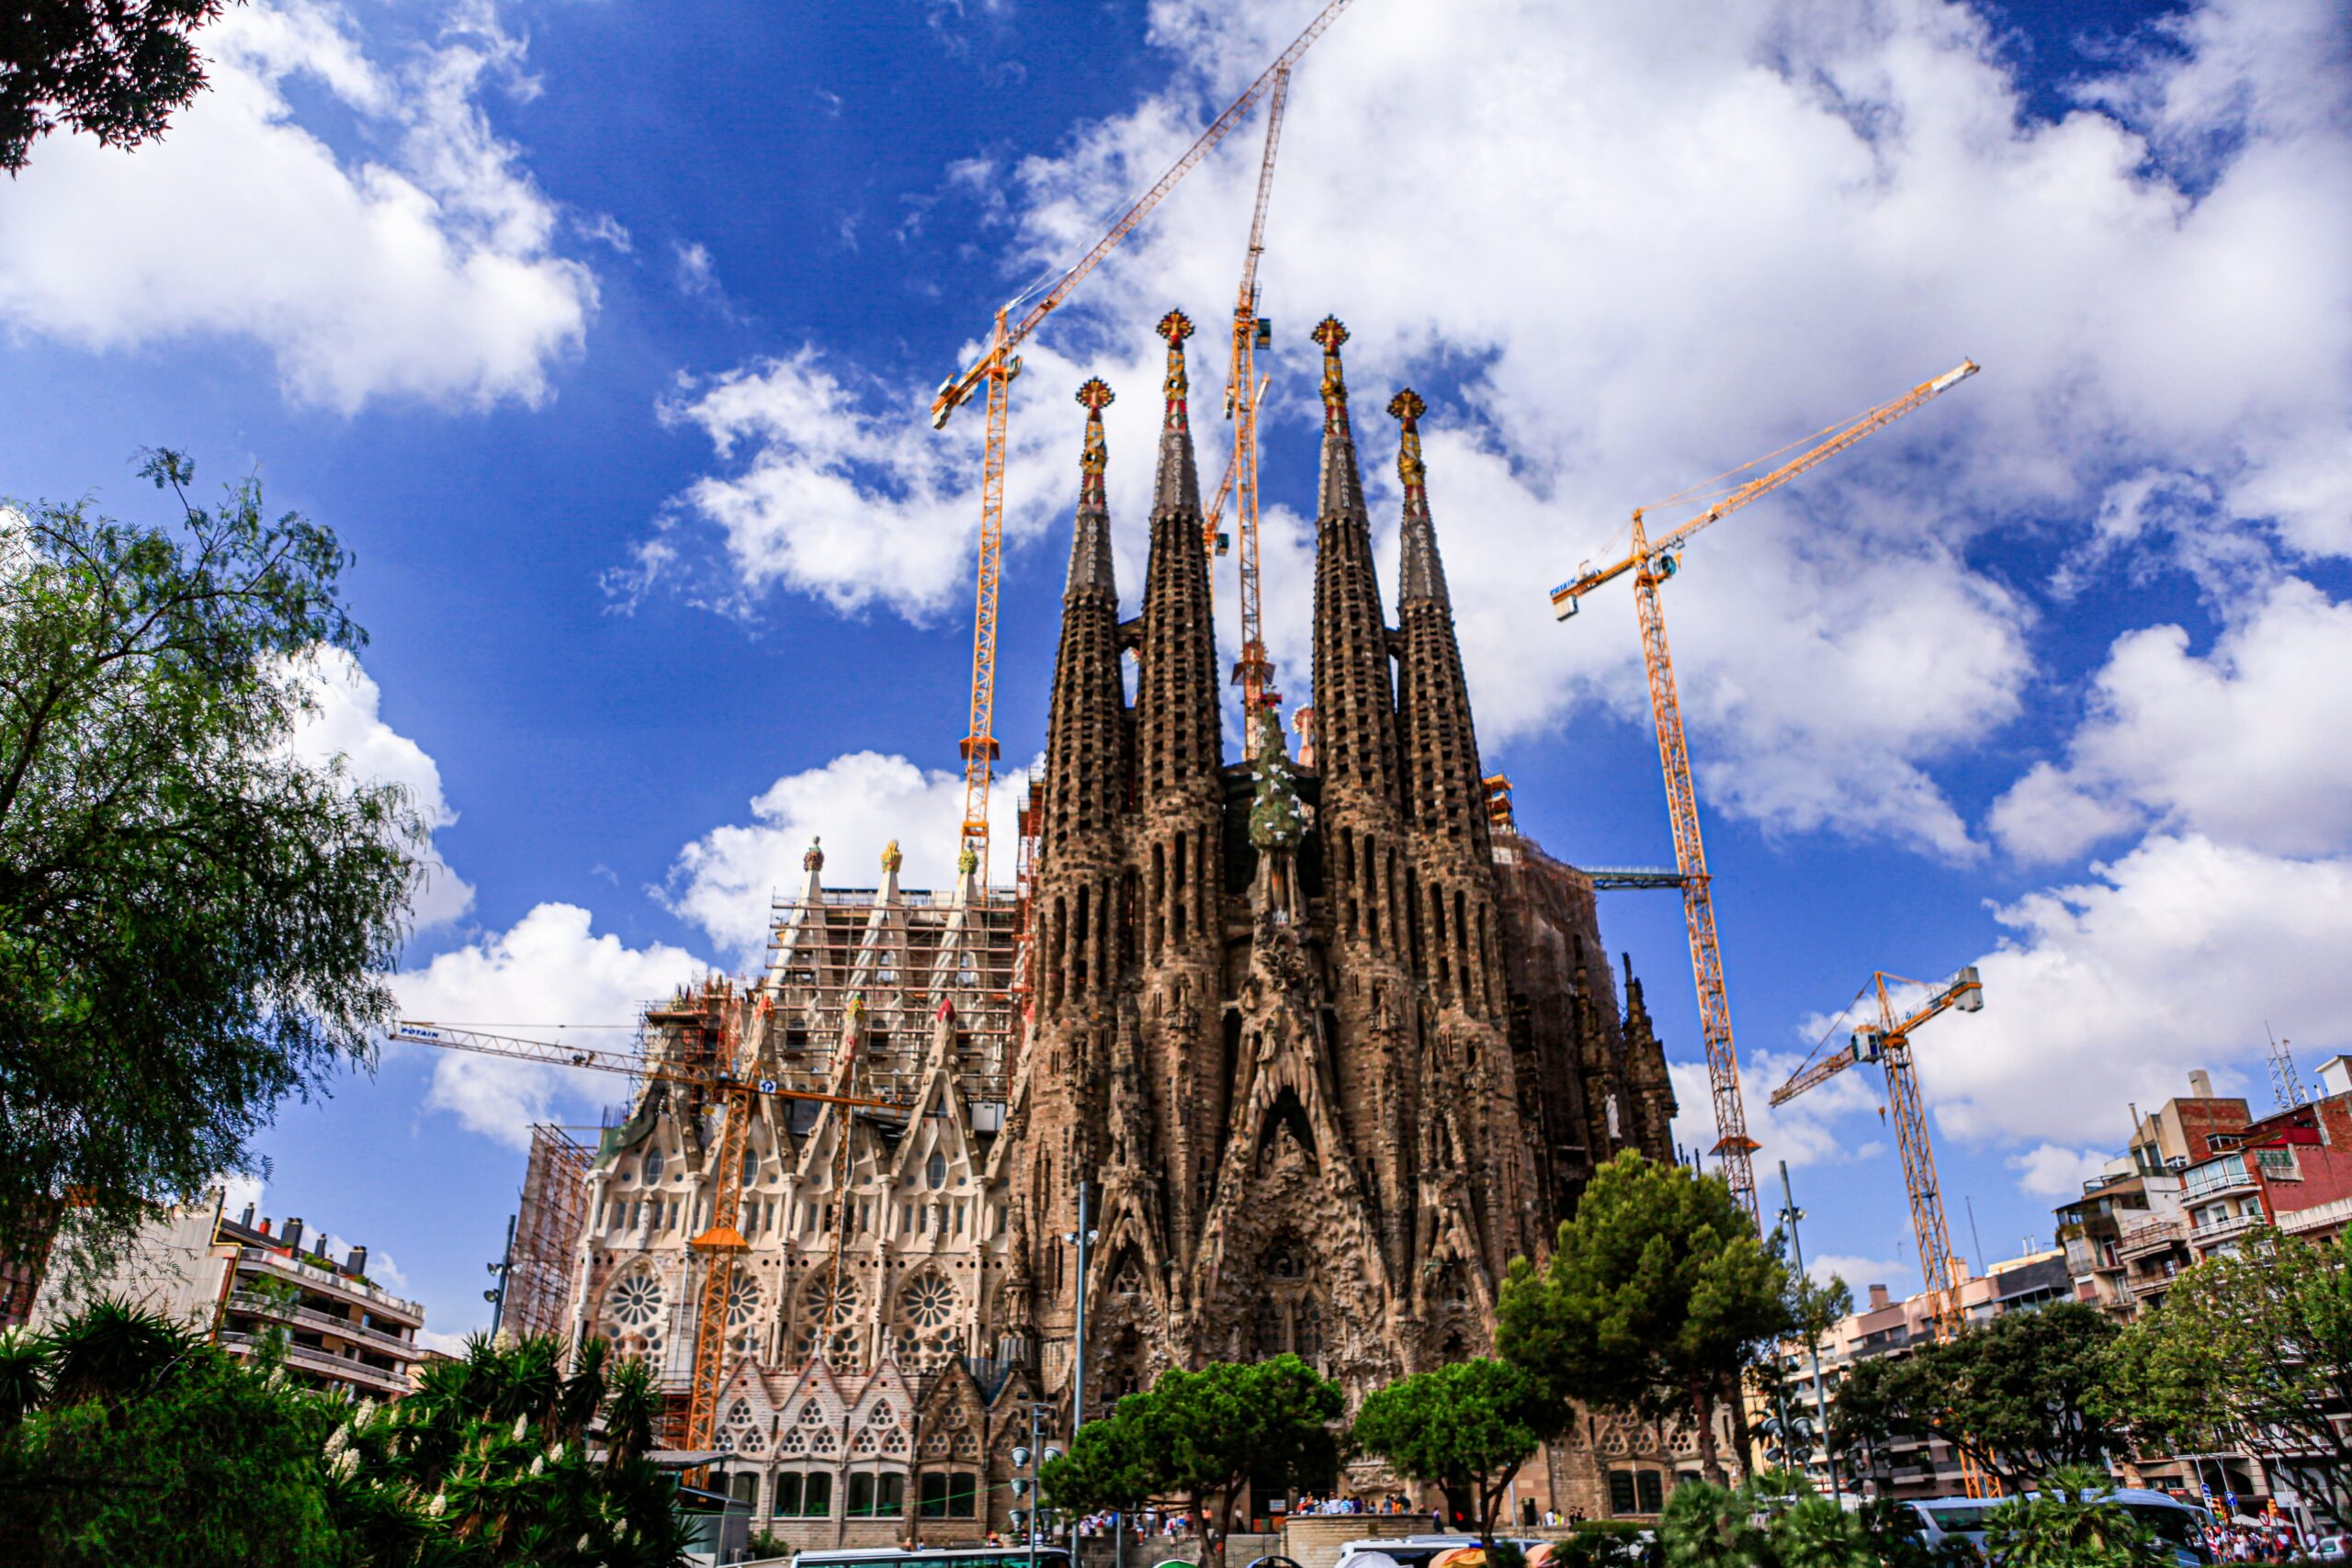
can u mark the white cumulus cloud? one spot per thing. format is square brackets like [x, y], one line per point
[551, 973]
[725, 881]
[2052, 1170]
[345, 721]
[421, 266]
[2250, 743]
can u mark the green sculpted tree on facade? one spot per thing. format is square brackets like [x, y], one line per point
[1658, 1299]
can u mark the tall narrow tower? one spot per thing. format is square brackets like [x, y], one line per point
[1076, 888]
[1367, 867]
[1457, 950]
[1175, 858]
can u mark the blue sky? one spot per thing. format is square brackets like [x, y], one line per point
[602, 335]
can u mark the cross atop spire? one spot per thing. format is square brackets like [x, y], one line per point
[1095, 397]
[1090, 545]
[1177, 486]
[1424, 575]
[1176, 327]
[1330, 331]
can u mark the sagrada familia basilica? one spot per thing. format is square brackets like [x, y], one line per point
[1323, 1045]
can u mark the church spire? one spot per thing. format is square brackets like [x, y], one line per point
[1090, 544]
[1340, 489]
[1085, 736]
[1178, 487]
[1444, 796]
[1424, 574]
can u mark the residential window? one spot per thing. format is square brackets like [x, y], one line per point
[876, 1494]
[950, 1494]
[2279, 1163]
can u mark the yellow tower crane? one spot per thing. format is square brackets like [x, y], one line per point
[995, 369]
[1651, 561]
[1253, 672]
[1888, 1043]
[712, 1058]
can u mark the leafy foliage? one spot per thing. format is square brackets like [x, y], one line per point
[2070, 1522]
[115, 69]
[125, 1437]
[2253, 1351]
[1108, 1465]
[2022, 1394]
[1204, 1435]
[1467, 1427]
[194, 922]
[1658, 1297]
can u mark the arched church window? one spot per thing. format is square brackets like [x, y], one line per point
[651, 1168]
[934, 1171]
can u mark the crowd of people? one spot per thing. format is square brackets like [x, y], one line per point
[2272, 1540]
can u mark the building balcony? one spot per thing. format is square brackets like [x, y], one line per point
[258, 1305]
[341, 1369]
[2150, 1236]
[2218, 1179]
[2219, 1231]
[2320, 1217]
[329, 1282]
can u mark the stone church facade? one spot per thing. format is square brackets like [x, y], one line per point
[1324, 1048]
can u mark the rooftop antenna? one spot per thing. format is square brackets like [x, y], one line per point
[2284, 1085]
[1979, 1240]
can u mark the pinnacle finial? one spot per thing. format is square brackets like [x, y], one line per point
[1407, 407]
[1176, 327]
[1096, 396]
[1330, 331]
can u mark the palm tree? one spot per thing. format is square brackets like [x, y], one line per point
[2073, 1522]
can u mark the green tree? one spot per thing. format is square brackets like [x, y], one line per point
[2021, 1394]
[1466, 1427]
[2070, 1521]
[116, 70]
[194, 922]
[1108, 1465]
[1658, 1297]
[2250, 1350]
[490, 1464]
[128, 1439]
[1207, 1434]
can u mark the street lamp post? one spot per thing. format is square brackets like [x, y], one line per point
[1789, 1216]
[500, 1270]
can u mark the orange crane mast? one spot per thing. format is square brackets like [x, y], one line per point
[724, 1072]
[995, 369]
[1889, 1044]
[1253, 672]
[1651, 561]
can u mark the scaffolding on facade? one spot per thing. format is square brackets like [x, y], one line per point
[891, 965]
[547, 1233]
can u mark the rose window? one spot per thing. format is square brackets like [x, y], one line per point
[926, 1337]
[828, 1314]
[742, 1305]
[634, 1305]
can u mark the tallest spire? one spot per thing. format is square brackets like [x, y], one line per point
[1178, 487]
[1341, 489]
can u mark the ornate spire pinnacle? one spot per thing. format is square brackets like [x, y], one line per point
[1090, 545]
[1424, 575]
[1178, 486]
[1340, 489]
[1330, 331]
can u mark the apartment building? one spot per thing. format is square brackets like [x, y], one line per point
[1886, 1327]
[244, 1284]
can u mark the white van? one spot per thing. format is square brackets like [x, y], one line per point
[2177, 1526]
